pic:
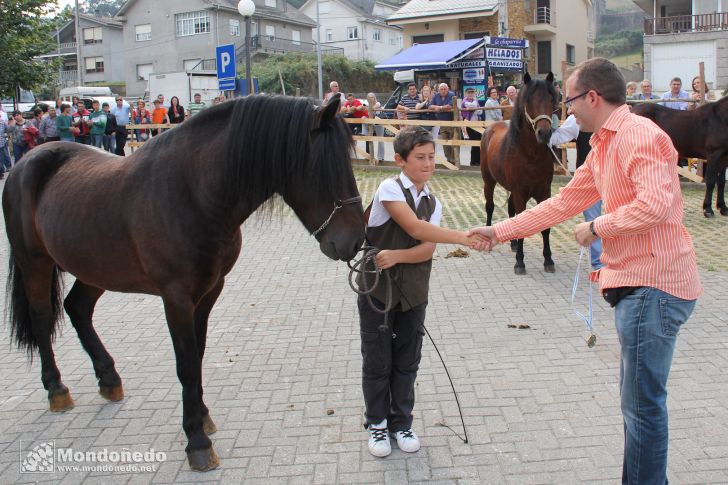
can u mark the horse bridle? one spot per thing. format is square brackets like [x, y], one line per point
[338, 205]
[538, 118]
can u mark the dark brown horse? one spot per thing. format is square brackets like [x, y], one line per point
[701, 133]
[517, 156]
[166, 221]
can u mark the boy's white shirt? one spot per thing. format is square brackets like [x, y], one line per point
[390, 191]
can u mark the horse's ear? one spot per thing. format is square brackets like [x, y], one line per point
[550, 78]
[327, 113]
[526, 78]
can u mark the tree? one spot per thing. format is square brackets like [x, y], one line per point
[26, 32]
[103, 8]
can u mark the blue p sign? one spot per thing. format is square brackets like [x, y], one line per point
[225, 56]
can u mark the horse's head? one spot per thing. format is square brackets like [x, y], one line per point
[536, 102]
[326, 198]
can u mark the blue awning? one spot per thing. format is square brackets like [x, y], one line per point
[429, 56]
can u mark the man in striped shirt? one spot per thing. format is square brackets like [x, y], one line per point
[650, 274]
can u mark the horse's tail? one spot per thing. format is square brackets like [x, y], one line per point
[18, 311]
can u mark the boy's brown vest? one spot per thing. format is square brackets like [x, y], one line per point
[413, 279]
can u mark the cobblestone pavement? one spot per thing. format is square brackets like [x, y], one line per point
[282, 372]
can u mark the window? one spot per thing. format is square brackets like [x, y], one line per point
[324, 7]
[94, 64]
[589, 52]
[296, 36]
[235, 27]
[329, 35]
[544, 57]
[377, 35]
[192, 23]
[570, 54]
[143, 71]
[352, 32]
[270, 3]
[92, 35]
[143, 32]
[392, 39]
[427, 39]
[475, 35]
[270, 32]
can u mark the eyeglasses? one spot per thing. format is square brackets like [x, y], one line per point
[572, 99]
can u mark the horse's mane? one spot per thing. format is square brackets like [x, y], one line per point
[535, 87]
[269, 148]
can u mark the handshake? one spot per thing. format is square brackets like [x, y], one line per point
[480, 238]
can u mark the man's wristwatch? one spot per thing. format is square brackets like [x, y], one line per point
[591, 229]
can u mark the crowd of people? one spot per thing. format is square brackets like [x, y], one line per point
[102, 126]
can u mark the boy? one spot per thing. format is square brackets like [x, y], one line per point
[403, 224]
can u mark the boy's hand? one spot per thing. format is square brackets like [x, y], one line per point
[475, 241]
[490, 240]
[386, 258]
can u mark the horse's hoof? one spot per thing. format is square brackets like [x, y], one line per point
[203, 460]
[61, 402]
[724, 211]
[208, 426]
[709, 214]
[549, 268]
[115, 393]
[519, 270]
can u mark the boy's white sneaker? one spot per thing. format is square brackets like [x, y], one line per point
[407, 440]
[379, 445]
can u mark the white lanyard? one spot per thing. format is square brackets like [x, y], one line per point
[592, 339]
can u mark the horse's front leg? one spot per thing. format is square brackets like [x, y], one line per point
[179, 309]
[518, 203]
[202, 313]
[711, 174]
[720, 197]
[548, 264]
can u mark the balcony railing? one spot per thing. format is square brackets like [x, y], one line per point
[687, 23]
[67, 78]
[544, 15]
[277, 45]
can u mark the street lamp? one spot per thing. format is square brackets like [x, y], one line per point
[247, 9]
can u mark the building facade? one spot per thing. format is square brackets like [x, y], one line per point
[679, 34]
[554, 35]
[173, 35]
[358, 27]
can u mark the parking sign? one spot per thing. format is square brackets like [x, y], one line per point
[225, 56]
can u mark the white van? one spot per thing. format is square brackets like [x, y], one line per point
[24, 103]
[102, 94]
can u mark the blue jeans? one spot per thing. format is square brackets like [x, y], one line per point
[97, 140]
[648, 321]
[5, 162]
[596, 247]
[110, 143]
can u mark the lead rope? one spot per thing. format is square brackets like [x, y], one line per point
[359, 266]
[592, 339]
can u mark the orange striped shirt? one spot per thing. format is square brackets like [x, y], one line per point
[632, 167]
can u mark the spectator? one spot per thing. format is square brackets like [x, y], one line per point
[646, 91]
[48, 128]
[442, 104]
[676, 92]
[333, 91]
[3, 114]
[74, 105]
[63, 123]
[176, 112]
[378, 130]
[159, 116]
[122, 114]
[355, 109]
[408, 102]
[492, 102]
[695, 95]
[141, 117]
[37, 118]
[425, 102]
[97, 123]
[16, 126]
[81, 123]
[5, 161]
[511, 95]
[109, 140]
[160, 97]
[196, 106]
[470, 101]
[631, 89]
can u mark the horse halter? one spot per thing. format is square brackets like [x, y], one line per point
[338, 205]
[533, 121]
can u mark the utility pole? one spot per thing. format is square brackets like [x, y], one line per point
[79, 40]
[318, 54]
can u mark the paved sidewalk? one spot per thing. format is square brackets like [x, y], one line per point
[282, 376]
